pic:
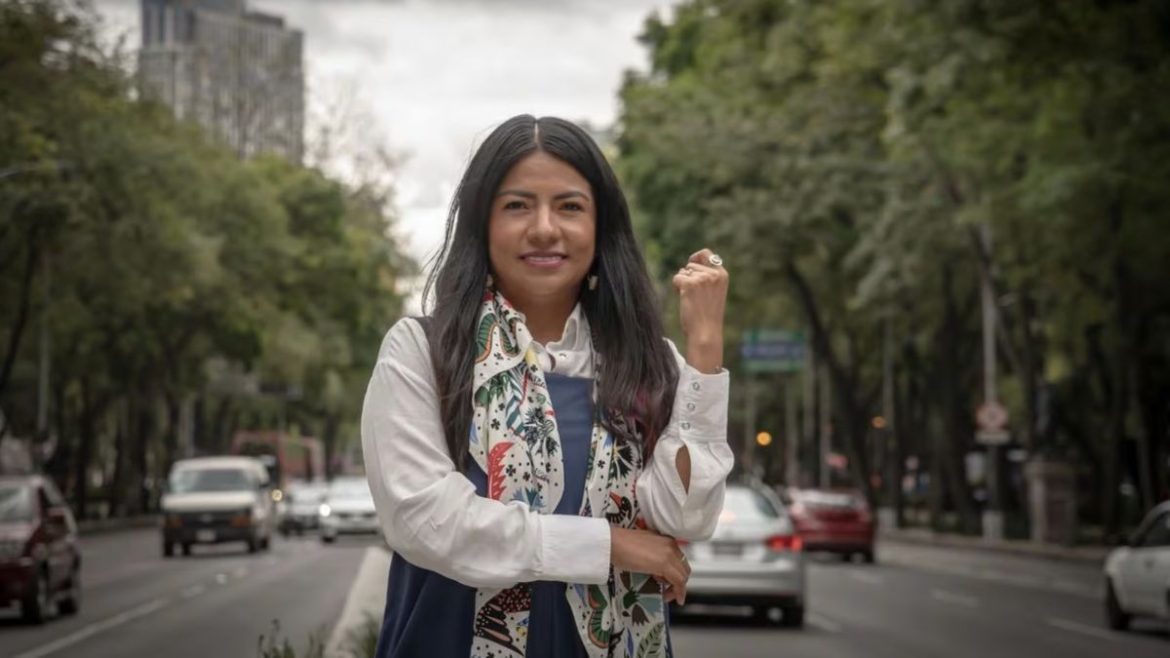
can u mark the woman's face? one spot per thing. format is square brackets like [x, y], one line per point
[542, 231]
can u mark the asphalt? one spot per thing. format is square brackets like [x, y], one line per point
[218, 602]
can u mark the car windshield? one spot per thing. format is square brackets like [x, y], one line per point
[210, 479]
[15, 503]
[350, 490]
[746, 504]
[306, 494]
[828, 499]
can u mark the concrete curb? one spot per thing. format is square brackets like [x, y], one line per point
[367, 597]
[1083, 554]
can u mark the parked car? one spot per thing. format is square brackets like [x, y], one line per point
[348, 509]
[833, 521]
[211, 500]
[40, 562]
[754, 558]
[1137, 576]
[300, 507]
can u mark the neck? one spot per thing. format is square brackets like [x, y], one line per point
[545, 317]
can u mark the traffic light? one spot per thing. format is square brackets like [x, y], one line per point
[763, 439]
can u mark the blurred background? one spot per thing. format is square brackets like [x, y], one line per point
[948, 332]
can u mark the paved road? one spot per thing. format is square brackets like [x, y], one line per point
[215, 603]
[918, 602]
[926, 602]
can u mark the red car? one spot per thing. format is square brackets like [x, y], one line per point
[833, 521]
[40, 564]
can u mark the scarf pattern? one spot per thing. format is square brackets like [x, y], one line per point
[515, 441]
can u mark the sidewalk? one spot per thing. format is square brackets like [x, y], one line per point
[1084, 554]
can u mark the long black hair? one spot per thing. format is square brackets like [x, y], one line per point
[638, 373]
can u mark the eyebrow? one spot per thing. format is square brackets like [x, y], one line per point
[531, 195]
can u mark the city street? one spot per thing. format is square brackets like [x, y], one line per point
[215, 603]
[925, 601]
[917, 601]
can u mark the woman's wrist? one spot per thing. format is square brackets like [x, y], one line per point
[705, 353]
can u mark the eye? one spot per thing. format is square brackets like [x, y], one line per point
[514, 204]
[573, 206]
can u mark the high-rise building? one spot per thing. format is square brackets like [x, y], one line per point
[237, 72]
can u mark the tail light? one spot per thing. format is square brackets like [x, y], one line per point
[784, 543]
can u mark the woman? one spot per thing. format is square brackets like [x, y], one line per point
[536, 447]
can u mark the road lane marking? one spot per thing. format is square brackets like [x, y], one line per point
[823, 623]
[867, 578]
[193, 591]
[241, 572]
[221, 578]
[95, 628]
[1084, 629]
[953, 598]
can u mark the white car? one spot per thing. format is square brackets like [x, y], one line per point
[1137, 576]
[299, 508]
[211, 500]
[755, 558]
[348, 509]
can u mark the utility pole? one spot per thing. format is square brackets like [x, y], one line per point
[809, 418]
[888, 513]
[749, 430]
[993, 514]
[791, 433]
[826, 479]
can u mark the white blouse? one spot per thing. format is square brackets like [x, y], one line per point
[431, 515]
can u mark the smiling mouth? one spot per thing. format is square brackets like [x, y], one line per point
[543, 259]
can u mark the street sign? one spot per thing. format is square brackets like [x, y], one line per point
[991, 416]
[772, 350]
[993, 437]
[991, 420]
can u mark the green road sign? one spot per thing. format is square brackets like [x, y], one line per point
[773, 350]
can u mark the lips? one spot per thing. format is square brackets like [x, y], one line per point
[544, 259]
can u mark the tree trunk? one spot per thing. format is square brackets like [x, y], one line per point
[16, 332]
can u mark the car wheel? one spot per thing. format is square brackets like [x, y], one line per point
[253, 545]
[168, 549]
[869, 557]
[793, 616]
[71, 604]
[328, 539]
[35, 607]
[1115, 616]
[186, 550]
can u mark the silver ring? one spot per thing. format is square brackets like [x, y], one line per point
[715, 260]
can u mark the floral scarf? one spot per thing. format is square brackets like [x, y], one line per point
[514, 440]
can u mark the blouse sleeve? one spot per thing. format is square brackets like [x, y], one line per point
[699, 423]
[431, 514]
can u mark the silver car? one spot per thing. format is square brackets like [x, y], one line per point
[1137, 576]
[755, 558]
[348, 508]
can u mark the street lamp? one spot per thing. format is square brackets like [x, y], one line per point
[763, 439]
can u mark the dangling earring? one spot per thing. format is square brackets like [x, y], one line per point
[490, 281]
[593, 282]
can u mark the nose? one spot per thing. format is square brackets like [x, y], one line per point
[543, 229]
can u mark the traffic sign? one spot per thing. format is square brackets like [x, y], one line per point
[991, 417]
[993, 437]
[772, 350]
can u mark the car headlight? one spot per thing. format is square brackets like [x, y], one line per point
[325, 509]
[242, 519]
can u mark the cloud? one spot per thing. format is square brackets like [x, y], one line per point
[436, 75]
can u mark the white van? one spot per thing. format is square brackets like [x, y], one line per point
[212, 500]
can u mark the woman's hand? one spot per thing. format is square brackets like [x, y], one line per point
[643, 551]
[702, 289]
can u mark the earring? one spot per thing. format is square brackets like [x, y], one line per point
[490, 281]
[593, 282]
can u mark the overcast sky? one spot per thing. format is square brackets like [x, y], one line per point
[434, 76]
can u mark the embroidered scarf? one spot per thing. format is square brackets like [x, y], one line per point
[514, 440]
